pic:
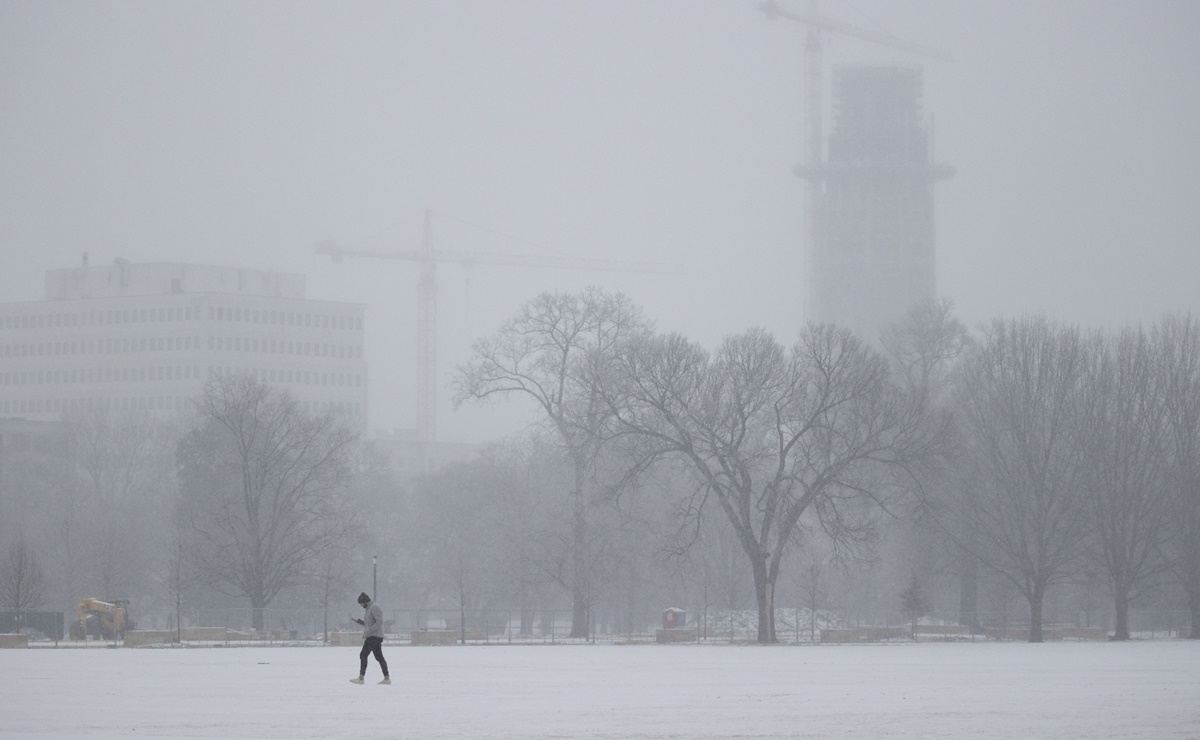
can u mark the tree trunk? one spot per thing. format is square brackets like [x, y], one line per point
[579, 614]
[257, 607]
[1121, 603]
[1189, 570]
[527, 618]
[579, 565]
[764, 591]
[1035, 615]
[1194, 606]
[462, 598]
[968, 595]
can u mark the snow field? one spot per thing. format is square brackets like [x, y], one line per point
[1051, 691]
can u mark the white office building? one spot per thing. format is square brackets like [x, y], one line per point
[148, 337]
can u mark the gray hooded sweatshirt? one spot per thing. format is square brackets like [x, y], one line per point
[372, 621]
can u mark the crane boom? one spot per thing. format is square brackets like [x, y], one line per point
[514, 260]
[812, 18]
[428, 257]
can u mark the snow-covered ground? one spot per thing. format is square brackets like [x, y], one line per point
[971, 690]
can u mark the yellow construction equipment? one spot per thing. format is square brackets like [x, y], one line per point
[101, 619]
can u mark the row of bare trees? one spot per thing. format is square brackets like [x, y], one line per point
[1079, 451]
[1041, 450]
[82, 506]
[762, 435]
[247, 497]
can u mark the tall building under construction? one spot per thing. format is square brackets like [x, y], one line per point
[871, 253]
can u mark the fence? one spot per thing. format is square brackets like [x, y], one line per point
[796, 625]
[792, 625]
[441, 626]
[1160, 624]
[445, 626]
[237, 624]
[39, 625]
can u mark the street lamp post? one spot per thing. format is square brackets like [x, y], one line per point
[375, 577]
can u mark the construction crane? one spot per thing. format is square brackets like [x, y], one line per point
[811, 169]
[428, 257]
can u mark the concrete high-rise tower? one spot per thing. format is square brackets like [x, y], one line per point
[872, 253]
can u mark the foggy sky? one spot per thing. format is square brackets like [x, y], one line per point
[242, 133]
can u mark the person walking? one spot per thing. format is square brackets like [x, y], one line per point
[372, 624]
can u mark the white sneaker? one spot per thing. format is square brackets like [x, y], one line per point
[358, 679]
[387, 680]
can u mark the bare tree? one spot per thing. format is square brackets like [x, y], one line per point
[22, 582]
[771, 434]
[380, 517]
[40, 499]
[526, 479]
[176, 574]
[1177, 346]
[812, 578]
[458, 540]
[1124, 437]
[263, 487]
[123, 466]
[545, 353]
[330, 580]
[704, 545]
[1019, 503]
[66, 517]
[926, 348]
[913, 604]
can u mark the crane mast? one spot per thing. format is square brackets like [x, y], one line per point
[427, 338]
[428, 256]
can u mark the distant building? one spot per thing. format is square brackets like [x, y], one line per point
[148, 336]
[872, 254]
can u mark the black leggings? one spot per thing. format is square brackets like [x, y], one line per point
[371, 645]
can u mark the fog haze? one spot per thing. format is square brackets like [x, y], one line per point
[243, 133]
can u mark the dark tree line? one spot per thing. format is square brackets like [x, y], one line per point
[243, 497]
[1031, 450]
[1042, 451]
[1075, 453]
